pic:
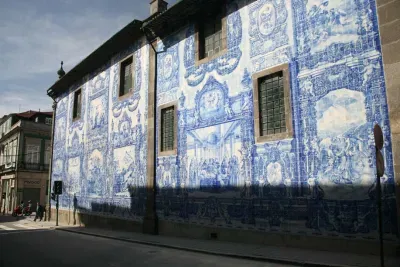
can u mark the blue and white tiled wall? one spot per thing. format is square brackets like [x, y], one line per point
[321, 181]
[102, 157]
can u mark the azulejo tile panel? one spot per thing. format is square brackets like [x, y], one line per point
[329, 31]
[320, 181]
[223, 65]
[268, 26]
[101, 157]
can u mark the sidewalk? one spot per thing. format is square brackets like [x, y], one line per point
[45, 224]
[283, 255]
[29, 221]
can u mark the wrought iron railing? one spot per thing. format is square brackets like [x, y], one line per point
[30, 166]
[46, 167]
[25, 166]
[34, 166]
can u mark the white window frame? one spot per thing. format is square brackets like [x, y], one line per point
[47, 153]
[8, 153]
[32, 153]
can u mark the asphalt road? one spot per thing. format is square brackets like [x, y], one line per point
[20, 247]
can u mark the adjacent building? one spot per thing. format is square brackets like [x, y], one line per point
[25, 152]
[247, 121]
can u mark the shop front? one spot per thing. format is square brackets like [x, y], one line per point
[32, 187]
[8, 194]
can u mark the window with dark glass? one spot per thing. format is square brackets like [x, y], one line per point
[167, 128]
[272, 104]
[77, 104]
[49, 121]
[126, 76]
[210, 36]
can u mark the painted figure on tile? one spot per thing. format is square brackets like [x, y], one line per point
[95, 170]
[228, 110]
[213, 153]
[330, 21]
[369, 69]
[98, 117]
[267, 19]
[274, 174]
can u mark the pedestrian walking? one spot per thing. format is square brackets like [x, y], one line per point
[39, 212]
[29, 210]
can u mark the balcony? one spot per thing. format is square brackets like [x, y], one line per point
[46, 167]
[10, 166]
[30, 166]
[33, 166]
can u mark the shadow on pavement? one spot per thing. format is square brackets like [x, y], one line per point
[8, 218]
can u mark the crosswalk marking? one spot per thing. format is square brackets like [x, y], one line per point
[3, 227]
[24, 226]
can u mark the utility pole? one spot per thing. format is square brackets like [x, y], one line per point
[57, 211]
[48, 213]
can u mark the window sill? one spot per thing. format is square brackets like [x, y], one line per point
[167, 153]
[208, 59]
[125, 96]
[273, 137]
[76, 119]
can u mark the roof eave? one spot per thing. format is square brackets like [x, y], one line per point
[121, 40]
[180, 14]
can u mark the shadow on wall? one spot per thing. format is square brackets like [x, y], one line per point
[106, 213]
[260, 208]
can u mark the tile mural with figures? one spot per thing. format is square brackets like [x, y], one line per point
[100, 155]
[322, 179]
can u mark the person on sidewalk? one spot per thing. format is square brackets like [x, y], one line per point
[29, 209]
[22, 206]
[39, 212]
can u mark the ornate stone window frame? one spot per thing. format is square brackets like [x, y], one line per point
[224, 46]
[121, 62]
[77, 118]
[174, 151]
[287, 101]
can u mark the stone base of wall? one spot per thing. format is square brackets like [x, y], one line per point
[90, 220]
[335, 244]
[168, 228]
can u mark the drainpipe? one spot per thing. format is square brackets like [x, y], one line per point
[48, 213]
[153, 190]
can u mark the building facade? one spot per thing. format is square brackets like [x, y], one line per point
[25, 154]
[264, 114]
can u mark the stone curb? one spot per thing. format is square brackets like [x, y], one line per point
[224, 254]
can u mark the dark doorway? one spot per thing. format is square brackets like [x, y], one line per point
[32, 194]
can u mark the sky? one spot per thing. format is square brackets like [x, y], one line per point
[36, 35]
